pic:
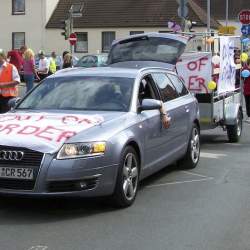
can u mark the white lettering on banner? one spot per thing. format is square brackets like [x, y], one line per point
[196, 71]
[43, 132]
[227, 66]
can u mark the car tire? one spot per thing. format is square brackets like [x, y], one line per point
[234, 131]
[192, 156]
[127, 179]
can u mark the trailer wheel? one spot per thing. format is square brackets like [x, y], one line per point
[234, 131]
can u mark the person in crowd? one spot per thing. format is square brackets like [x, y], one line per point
[67, 61]
[29, 69]
[62, 58]
[15, 57]
[43, 67]
[52, 64]
[246, 88]
[9, 79]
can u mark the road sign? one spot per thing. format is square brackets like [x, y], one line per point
[244, 16]
[72, 39]
[245, 30]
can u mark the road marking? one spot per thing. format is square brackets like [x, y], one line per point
[195, 174]
[179, 182]
[38, 248]
[211, 155]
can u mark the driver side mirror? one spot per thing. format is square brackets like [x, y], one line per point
[149, 104]
[13, 102]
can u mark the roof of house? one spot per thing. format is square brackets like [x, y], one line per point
[127, 13]
[218, 8]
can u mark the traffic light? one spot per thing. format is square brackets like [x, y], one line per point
[66, 28]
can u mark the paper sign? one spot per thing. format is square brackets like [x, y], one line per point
[227, 66]
[43, 132]
[196, 71]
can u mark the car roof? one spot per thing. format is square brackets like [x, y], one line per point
[112, 71]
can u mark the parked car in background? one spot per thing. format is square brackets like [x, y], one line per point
[90, 61]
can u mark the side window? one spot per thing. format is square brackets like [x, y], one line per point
[167, 90]
[180, 87]
[146, 89]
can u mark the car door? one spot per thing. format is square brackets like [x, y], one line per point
[185, 105]
[150, 121]
[173, 136]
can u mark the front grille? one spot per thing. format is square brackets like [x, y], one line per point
[31, 159]
[17, 184]
[71, 186]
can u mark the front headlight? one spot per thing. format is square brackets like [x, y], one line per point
[77, 150]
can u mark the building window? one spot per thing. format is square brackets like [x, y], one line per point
[107, 39]
[18, 7]
[18, 40]
[135, 32]
[82, 42]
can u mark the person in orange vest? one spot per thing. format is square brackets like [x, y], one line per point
[9, 79]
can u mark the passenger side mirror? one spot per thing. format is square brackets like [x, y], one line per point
[149, 104]
[13, 102]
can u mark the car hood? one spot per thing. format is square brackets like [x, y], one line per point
[47, 131]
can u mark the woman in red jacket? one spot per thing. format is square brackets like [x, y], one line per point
[247, 91]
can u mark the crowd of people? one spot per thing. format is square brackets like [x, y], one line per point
[20, 65]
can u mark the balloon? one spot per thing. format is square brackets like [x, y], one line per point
[246, 40]
[212, 85]
[245, 73]
[210, 40]
[244, 57]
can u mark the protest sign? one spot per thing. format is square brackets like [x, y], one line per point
[196, 70]
[42, 131]
[227, 66]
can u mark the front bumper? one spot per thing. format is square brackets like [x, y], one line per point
[88, 177]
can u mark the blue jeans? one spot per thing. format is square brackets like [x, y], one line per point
[29, 80]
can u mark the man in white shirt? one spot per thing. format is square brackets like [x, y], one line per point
[9, 79]
[43, 68]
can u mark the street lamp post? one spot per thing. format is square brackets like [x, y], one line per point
[227, 12]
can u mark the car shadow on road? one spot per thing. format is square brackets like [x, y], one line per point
[21, 210]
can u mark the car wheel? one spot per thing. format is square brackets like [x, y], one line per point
[234, 131]
[192, 156]
[127, 179]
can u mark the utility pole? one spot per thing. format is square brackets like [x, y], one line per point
[183, 12]
[71, 26]
[227, 7]
[208, 16]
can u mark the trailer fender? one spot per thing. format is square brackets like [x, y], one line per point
[231, 113]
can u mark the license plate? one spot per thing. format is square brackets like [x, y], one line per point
[16, 173]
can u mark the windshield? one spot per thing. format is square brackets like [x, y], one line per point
[81, 93]
[147, 49]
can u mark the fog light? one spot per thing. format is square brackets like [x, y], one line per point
[82, 185]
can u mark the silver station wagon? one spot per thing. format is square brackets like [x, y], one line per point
[99, 131]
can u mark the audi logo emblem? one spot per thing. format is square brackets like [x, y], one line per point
[6, 155]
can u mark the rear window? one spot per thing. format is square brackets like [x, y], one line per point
[147, 49]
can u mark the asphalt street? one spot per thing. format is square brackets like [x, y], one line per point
[206, 208]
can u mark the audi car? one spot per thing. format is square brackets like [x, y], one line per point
[99, 131]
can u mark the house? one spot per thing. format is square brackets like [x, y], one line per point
[23, 22]
[38, 23]
[104, 21]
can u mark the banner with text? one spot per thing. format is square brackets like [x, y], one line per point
[43, 132]
[196, 71]
[227, 66]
